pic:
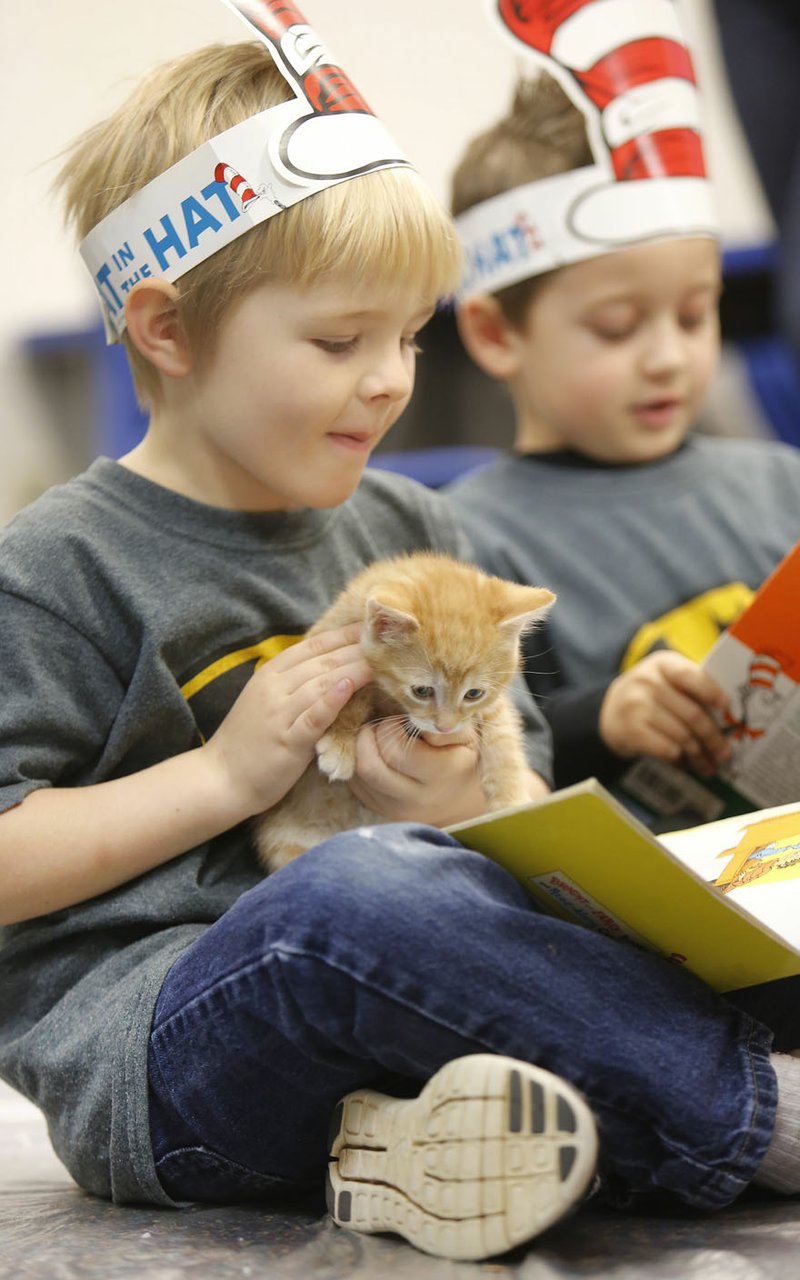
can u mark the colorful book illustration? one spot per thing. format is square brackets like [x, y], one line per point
[722, 899]
[757, 661]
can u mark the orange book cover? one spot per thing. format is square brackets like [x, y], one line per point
[770, 623]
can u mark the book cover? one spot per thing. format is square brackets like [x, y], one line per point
[757, 662]
[722, 899]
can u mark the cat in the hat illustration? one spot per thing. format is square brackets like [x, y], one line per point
[759, 700]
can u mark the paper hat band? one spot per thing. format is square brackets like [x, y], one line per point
[326, 134]
[626, 67]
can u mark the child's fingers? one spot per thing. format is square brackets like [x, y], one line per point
[663, 734]
[700, 735]
[310, 667]
[420, 758]
[698, 685]
[404, 779]
[334, 638]
[319, 700]
[323, 645]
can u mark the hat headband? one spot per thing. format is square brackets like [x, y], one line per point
[324, 135]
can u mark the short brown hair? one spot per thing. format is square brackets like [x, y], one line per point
[543, 134]
[377, 226]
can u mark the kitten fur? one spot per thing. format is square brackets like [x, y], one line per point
[435, 631]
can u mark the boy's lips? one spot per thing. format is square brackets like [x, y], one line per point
[360, 441]
[658, 412]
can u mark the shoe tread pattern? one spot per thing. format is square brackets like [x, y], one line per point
[491, 1153]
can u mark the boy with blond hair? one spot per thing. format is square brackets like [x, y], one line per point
[597, 309]
[190, 1029]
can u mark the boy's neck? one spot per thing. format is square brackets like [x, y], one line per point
[191, 473]
[567, 457]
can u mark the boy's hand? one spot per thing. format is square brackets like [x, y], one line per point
[662, 707]
[409, 780]
[267, 738]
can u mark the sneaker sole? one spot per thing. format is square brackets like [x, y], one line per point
[491, 1153]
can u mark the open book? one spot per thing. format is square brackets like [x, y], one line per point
[757, 662]
[723, 898]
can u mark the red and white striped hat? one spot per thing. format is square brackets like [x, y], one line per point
[626, 66]
[763, 671]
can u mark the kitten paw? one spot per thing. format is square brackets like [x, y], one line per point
[335, 758]
[507, 794]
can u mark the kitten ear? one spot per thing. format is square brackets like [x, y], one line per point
[526, 606]
[386, 625]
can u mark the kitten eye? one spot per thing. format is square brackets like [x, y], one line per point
[473, 695]
[423, 692]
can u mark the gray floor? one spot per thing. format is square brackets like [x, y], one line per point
[49, 1230]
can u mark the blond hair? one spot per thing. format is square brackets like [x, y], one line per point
[378, 227]
[543, 134]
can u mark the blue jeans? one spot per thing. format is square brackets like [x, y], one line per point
[384, 953]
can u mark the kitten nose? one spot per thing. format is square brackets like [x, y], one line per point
[446, 723]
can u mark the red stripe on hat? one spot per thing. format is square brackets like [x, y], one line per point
[640, 62]
[330, 91]
[670, 153]
[763, 672]
[287, 13]
[535, 23]
[248, 193]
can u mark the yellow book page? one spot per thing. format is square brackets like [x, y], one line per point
[584, 858]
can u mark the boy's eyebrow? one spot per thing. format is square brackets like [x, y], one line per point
[622, 295]
[424, 314]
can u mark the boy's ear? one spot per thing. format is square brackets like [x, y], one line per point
[153, 320]
[488, 336]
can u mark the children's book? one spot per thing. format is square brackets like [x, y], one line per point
[722, 898]
[757, 662]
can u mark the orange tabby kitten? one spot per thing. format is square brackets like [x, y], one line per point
[443, 641]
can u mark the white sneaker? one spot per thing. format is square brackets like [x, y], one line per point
[491, 1153]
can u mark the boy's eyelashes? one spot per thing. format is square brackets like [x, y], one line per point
[696, 320]
[689, 322]
[344, 346]
[336, 346]
[611, 333]
[612, 324]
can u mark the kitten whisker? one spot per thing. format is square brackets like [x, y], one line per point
[405, 733]
[401, 730]
[402, 723]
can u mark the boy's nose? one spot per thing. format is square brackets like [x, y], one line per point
[665, 350]
[390, 377]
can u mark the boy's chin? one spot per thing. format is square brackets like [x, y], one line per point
[651, 447]
[333, 495]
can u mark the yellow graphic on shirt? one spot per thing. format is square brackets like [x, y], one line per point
[261, 652]
[212, 691]
[693, 627]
